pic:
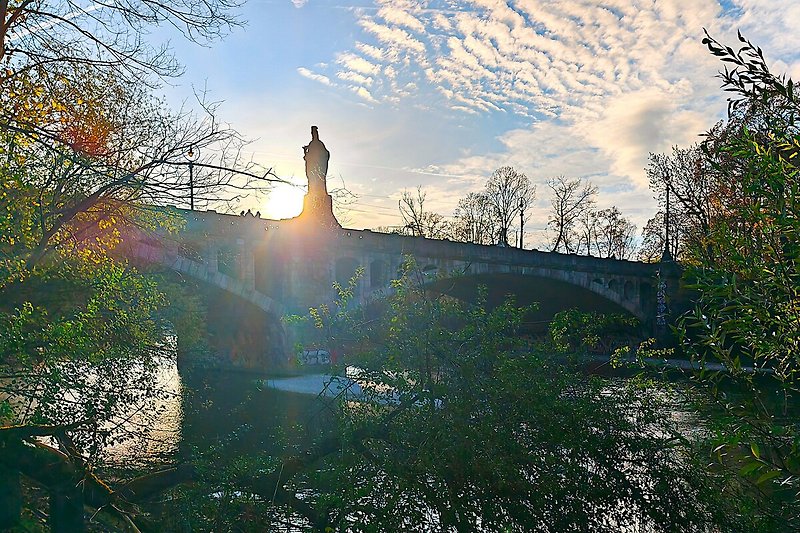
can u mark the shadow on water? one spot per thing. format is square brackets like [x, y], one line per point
[235, 413]
[223, 413]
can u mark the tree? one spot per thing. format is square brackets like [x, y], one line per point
[111, 152]
[614, 234]
[460, 423]
[571, 201]
[510, 194]
[474, 219]
[80, 342]
[85, 153]
[683, 176]
[586, 232]
[108, 36]
[745, 270]
[419, 222]
[61, 46]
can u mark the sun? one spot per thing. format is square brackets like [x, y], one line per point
[284, 201]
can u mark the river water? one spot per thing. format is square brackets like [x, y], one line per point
[240, 412]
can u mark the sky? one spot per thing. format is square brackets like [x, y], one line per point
[440, 93]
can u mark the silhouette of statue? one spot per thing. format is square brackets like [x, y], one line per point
[316, 157]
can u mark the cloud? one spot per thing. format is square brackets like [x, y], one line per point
[363, 93]
[312, 76]
[353, 62]
[772, 24]
[299, 3]
[354, 77]
[635, 124]
[582, 88]
[545, 58]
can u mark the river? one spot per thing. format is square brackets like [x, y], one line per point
[240, 412]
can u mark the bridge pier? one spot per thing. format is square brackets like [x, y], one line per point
[211, 258]
[231, 334]
[248, 272]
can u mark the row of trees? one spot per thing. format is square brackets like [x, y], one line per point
[484, 217]
[488, 217]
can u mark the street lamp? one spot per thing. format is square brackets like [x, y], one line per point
[666, 256]
[191, 156]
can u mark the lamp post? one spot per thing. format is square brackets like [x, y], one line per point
[191, 156]
[521, 220]
[667, 255]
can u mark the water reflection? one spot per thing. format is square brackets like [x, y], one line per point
[154, 426]
[237, 412]
[213, 410]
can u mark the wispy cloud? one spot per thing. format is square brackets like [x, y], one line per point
[313, 76]
[628, 76]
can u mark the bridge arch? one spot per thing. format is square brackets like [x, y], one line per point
[201, 271]
[344, 269]
[378, 274]
[611, 293]
[227, 312]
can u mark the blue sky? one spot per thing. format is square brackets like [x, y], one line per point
[440, 93]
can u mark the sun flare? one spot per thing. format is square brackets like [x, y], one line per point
[284, 201]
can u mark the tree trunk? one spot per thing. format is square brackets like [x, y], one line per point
[66, 510]
[10, 498]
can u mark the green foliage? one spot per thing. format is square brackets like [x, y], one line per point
[79, 342]
[451, 422]
[332, 326]
[86, 151]
[745, 269]
[576, 332]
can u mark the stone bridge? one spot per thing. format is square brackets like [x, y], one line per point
[280, 267]
[254, 270]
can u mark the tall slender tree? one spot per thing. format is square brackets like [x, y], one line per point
[474, 219]
[571, 201]
[509, 193]
[615, 234]
[418, 221]
[683, 175]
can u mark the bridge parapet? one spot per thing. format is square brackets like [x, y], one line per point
[200, 271]
[295, 263]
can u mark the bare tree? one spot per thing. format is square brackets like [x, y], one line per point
[62, 48]
[586, 232]
[681, 179]
[510, 193]
[654, 235]
[652, 247]
[474, 219]
[571, 201]
[107, 35]
[615, 234]
[419, 222]
[117, 154]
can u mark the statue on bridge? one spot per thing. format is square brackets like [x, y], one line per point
[317, 204]
[316, 157]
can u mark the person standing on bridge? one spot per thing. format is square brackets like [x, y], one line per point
[316, 157]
